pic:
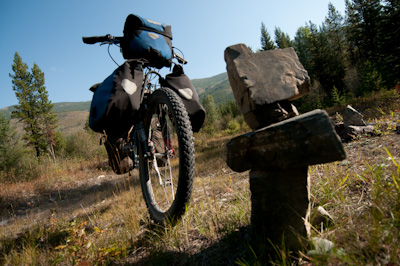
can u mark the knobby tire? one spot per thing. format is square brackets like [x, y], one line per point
[161, 102]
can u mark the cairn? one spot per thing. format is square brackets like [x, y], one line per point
[282, 144]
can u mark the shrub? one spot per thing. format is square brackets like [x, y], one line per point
[233, 127]
[26, 168]
[11, 151]
[83, 145]
[337, 97]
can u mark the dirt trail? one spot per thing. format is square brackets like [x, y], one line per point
[96, 193]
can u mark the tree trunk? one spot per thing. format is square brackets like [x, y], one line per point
[51, 150]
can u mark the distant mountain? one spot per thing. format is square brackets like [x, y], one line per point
[58, 108]
[7, 111]
[217, 86]
[68, 106]
[73, 115]
[202, 84]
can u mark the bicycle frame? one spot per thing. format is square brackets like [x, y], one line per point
[159, 142]
[138, 134]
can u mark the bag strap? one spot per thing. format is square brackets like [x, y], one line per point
[155, 31]
[141, 23]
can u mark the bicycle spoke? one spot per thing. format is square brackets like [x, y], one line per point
[171, 164]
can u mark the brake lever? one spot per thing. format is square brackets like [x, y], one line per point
[180, 59]
[109, 41]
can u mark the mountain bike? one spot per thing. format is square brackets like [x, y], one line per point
[159, 142]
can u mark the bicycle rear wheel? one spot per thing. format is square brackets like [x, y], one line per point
[167, 166]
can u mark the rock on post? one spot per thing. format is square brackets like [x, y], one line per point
[282, 145]
[260, 80]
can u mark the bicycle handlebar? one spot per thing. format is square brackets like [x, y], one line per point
[116, 40]
[105, 38]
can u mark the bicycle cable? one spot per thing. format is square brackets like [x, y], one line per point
[108, 49]
[173, 47]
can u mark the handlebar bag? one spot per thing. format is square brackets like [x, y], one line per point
[147, 39]
[181, 84]
[116, 101]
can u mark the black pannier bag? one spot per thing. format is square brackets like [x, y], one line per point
[147, 39]
[181, 84]
[116, 101]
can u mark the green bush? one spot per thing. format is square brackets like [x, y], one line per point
[11, 151]
[84, 145]
[337, 97]
[60, 143]
[233, 127]
[26, 168]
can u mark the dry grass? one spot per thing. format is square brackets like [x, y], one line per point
[363, 196]
[68, 122]
[79, 213]
[69, 215]
[71, 122]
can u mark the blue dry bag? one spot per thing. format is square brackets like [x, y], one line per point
[147, 39]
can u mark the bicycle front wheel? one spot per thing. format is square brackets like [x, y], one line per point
[166, 163]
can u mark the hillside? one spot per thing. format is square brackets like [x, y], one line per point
[58, 108]
[71, 106]
[85, 214]
[73, 115]
[202, 85]
[217, 86]
[78, 212]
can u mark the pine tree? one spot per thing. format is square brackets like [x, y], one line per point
[48, 118]
[266, 42]
[301, 46]
[34, 109]
[326, 52]
[363, 30]
[282, 39]
[211, 115]
[336, 56]
[10, 150]
[364, 34]
[318, 45]
[390, 35]
[229, 108]
[211, 110]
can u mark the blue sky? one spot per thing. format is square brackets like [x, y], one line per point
[49, 33]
